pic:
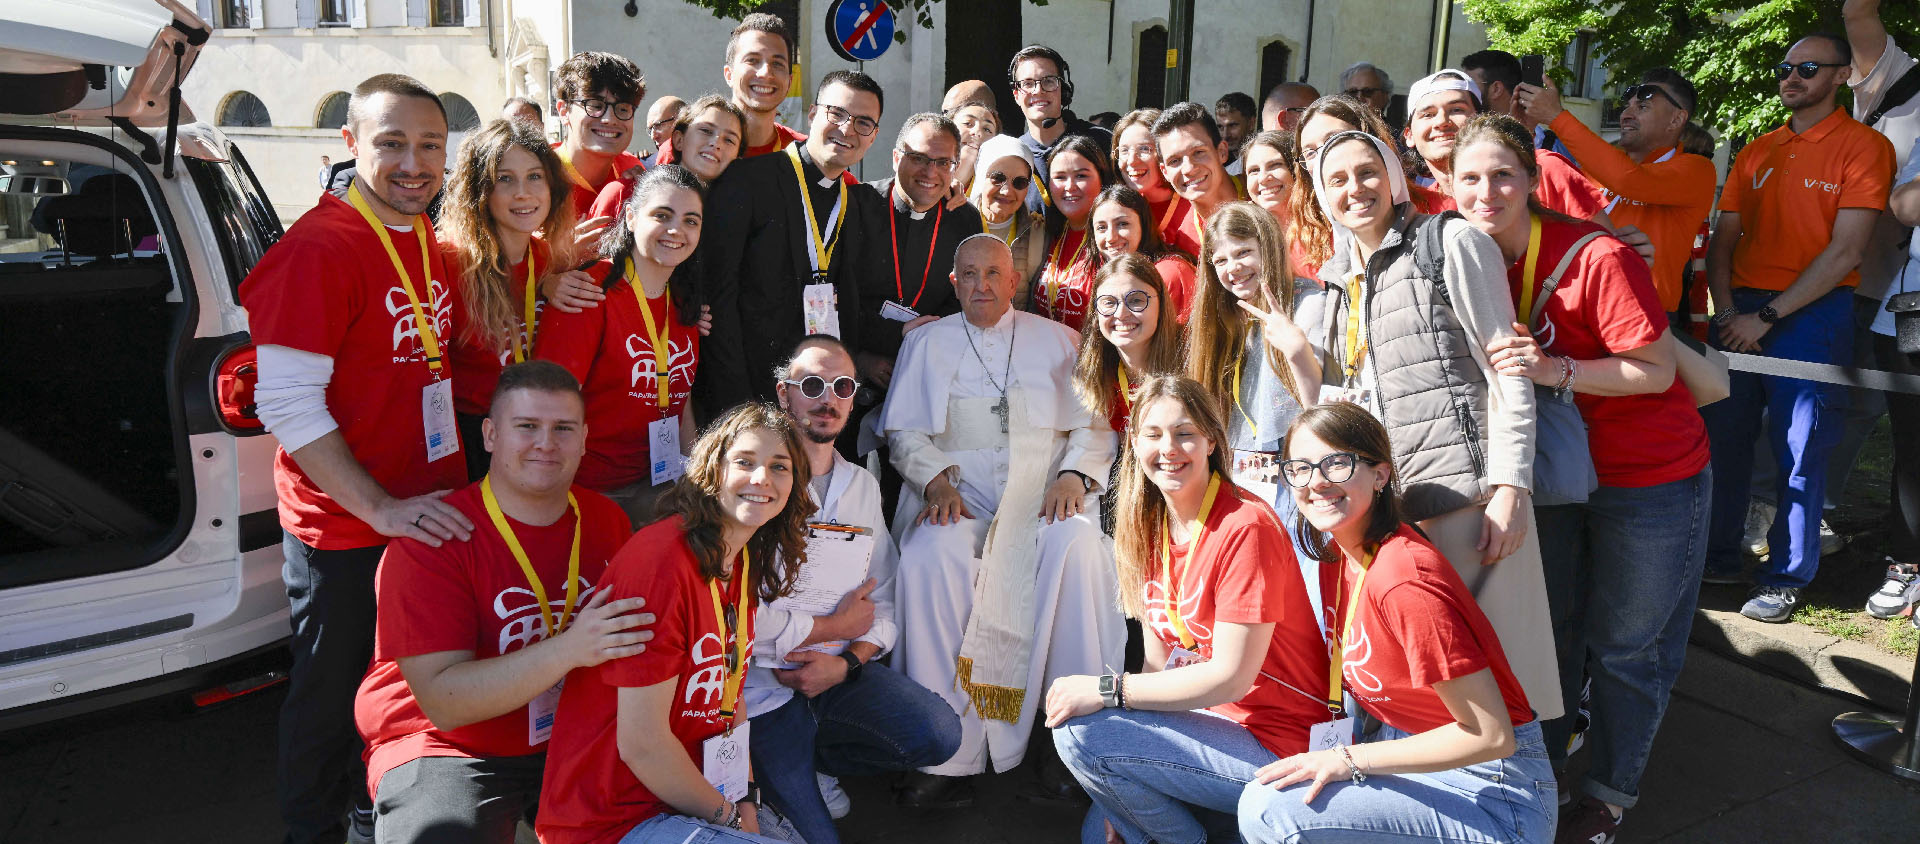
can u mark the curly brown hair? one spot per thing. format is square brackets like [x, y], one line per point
[782, 540]
[486, 288]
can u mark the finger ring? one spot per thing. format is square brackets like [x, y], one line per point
[416, 519]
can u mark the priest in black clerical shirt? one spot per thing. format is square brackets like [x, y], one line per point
[780, 263]
[920, 236]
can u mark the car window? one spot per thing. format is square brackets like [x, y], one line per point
[243, 220]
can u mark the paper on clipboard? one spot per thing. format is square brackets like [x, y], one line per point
[838, 557]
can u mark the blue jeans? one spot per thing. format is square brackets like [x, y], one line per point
[680, 829]
[1148, 772]
[319, 767]
[1623, 576]
[1505, 800]
[1804, 422]
[879, 723]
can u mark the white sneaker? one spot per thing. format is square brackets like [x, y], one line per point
[838, 804]
[1759, 522]
[1830, 542]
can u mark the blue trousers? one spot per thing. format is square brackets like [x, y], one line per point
[878, 723]
[1805, 420]
[1511, 801]
[1623, 576]
[1169, 777]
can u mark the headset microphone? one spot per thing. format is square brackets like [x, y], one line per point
[1049, 122]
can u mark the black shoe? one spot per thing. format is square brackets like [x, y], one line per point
[920, 790]
[1053, 783]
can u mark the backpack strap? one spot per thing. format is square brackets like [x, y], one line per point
[1553, 281]
[1903, 90]
[1429, 252]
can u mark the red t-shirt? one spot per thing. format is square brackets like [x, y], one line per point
[1605, 304]
[470, 596]
[1171, 218]
[584, 195]
[1064, 292]
[478, 361]
[1177, 274]
[1246, 573]
[589, 795]
[608, 349]
[1417, 625]
[329, 288]
[781, 137]
[1562, 188]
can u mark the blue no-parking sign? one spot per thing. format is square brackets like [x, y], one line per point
[859, 30]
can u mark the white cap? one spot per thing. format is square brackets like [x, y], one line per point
[1447, 79]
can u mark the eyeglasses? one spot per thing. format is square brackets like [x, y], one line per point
[663, 124]
[732, 620]
[1019, 182]
[1806, 69]
[814, 386]
[596, 108]
[924, 160]
[1646, 92]
[1041, 83]
[862, 125]
[1136, 301]
[1362, 93]
[1337, 468]
[1147, 150]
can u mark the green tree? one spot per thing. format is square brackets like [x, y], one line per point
[1726, 47]
[918, 10]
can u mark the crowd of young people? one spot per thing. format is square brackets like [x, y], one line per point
[1409, 480]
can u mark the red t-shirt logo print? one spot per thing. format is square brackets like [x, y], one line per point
[709, 677]
[401, 309]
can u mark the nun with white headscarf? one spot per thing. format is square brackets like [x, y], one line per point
[1410, 349]
[1001, 176]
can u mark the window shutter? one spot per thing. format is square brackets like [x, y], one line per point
[472, 12]
[256, 14]
[357, 13]
[306, 13]
[204, 8]
[416, 12]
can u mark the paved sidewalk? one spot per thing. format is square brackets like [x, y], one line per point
[1744, 756]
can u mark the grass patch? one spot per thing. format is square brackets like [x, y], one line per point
[1894, 635]
[1832, 621]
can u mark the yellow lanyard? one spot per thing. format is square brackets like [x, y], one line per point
[822, 247]
[1167, 217]
[1053, 279]
[1533, 267]
[737, 666]
[656, 337]
[1195, 533]
[573, 175]
[1126, 390]
[1252, 426]
[1334, 704]
[429, 340]
[526, 565]
[522, 351]
[1356, 346]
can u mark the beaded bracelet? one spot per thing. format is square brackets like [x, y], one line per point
[1353, 770]
[1120, 689]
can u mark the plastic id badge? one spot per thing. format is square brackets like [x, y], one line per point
[436, 418]
[540, 715]
[1327, 735]
[663, 450]
[1180, 657]
[897, 312]
[724, 762]
[822, 306]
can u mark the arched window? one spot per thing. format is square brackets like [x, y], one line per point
[333, 111]
[1274, 58]
[460, 114]
[1150, 85]
[243, 109]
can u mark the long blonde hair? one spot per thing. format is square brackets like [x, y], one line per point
[1217, 328]
[1140, 509]
[493, 311]
[1096, 373]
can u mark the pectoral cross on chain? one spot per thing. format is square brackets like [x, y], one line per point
[1000, 409]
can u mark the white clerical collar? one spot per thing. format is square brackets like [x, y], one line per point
[916, 215]
[825, 182]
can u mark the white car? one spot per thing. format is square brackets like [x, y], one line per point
[139, 547]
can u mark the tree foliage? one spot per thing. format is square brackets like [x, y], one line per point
[917, 10]
[1727, 48]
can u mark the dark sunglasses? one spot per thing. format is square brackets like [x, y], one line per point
[814, 386]
[1337, 468]
[1805, 69]
[1362, 93]
[1136, 301]
[1019, 182]
[1645, 92]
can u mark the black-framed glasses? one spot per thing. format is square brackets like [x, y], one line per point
[1019, 182]
[1805, 69]
[1645, 92]
[663, 124]
[814, 386]
[1135, 300]
[1362, 93]
[1337, 468]
[597, 108]
[1038, 83]
[862, 125]
[922, 159]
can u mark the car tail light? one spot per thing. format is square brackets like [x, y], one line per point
[233, 387]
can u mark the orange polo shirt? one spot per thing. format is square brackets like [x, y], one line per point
[1667, 196]
[1788, 188]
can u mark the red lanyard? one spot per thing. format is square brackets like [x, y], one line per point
[933, 245]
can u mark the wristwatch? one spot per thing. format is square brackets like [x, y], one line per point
[1109, 691]
[853, 665]
[1086, 482]
[753, 794]
[1767, 314]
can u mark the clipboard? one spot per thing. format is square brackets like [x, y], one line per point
[838, 559]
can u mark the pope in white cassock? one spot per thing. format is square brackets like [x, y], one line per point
[1005, 580]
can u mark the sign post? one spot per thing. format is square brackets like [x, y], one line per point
[859, 30]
